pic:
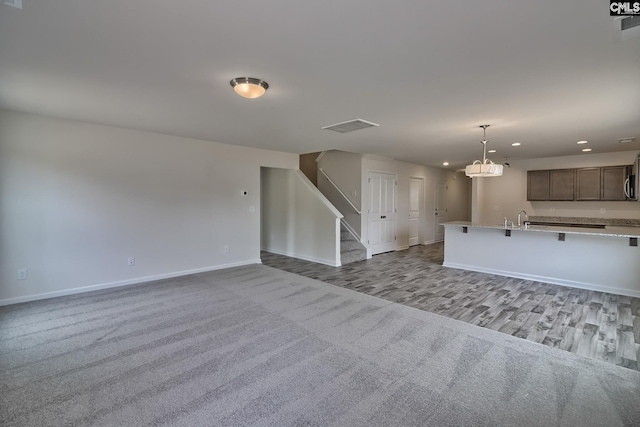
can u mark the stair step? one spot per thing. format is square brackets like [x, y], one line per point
[345, 235]
[353, 255]
[347, 245]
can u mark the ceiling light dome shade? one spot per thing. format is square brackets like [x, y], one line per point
[249, 87]
[485, 168]
[482, 170]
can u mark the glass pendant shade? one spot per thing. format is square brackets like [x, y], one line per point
[485, 168]
[249, 87]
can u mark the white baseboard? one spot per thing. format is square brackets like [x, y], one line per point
[552, 280]
[134, 281]
[402, 248]
[325, 261]
[428, 242]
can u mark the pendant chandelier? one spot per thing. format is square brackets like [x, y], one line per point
[485, 168]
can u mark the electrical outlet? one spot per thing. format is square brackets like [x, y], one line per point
[22, 274]
[603, 210]
[131, 260]
[225, 249]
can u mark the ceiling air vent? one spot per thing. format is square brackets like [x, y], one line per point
[350, 126]
[14, 3]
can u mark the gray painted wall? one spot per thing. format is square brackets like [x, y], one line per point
[76, 200]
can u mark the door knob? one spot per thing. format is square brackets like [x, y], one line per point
[383, 216]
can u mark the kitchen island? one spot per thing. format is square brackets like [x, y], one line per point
[605, 260]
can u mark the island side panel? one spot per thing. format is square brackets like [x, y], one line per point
[603, 263]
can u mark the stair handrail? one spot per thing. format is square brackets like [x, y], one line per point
[350, 229]
[340, 191]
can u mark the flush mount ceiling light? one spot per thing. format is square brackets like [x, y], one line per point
[485, 168]
[249, 87]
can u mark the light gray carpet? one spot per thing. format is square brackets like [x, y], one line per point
[258, 346]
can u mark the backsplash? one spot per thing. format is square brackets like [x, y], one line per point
[583, 220]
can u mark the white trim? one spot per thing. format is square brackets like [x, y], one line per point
[401, 248]
[428, 242]
[422, 203]
[321, 156]
[344, 196]
[552, 280]
[350, 230]
[321, 197]
[127, 282]
[324, 261]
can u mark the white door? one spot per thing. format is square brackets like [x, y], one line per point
[440, 210]
[382, 212]
[415, 206]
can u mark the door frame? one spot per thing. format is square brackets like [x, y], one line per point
[445, 183]
[421, 207]
[368, 206]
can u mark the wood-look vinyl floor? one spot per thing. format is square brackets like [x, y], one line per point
[593, 324]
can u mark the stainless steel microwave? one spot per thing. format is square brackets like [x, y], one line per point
[632, 183]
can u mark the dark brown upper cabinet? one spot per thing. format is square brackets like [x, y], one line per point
[612, 182]
[561, 184]
[597, 183]
[538, 185]
[588, 184]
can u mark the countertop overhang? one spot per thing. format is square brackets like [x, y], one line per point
[610, 231]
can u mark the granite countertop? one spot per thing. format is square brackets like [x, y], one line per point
[609, 230]
[618, 222]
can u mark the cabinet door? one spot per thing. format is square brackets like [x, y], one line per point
[538, 185]
[612, 183]
[588, 184]
[561, 185]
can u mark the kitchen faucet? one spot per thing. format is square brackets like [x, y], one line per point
[526, 217]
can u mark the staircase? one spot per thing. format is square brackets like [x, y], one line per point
[351, 250]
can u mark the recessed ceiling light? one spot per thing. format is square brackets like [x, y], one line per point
[445, 164]
[626, 140]
[516, 144]
[492, 151]
[586, 150]
[582, 142]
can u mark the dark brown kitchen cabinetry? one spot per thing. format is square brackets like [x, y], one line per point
[612, 182]
[538, 185]
[588, 184]
[596, 183]
[561, 184]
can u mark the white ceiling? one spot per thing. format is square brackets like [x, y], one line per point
[545, 73]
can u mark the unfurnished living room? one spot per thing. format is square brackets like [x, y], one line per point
[357, 213]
